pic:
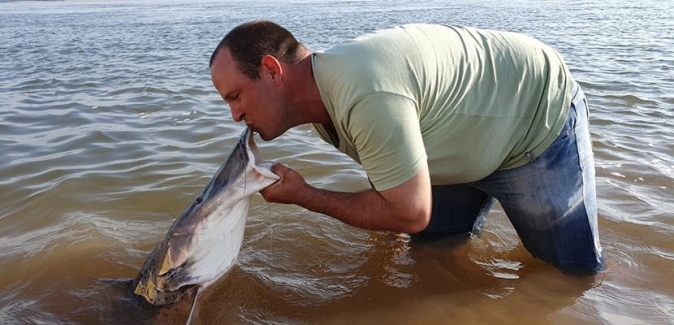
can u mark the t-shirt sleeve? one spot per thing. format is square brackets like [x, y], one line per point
[384, 129]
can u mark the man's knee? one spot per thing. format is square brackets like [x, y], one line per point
[571, 243]
[457, 209]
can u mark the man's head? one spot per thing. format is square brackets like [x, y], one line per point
[249, 68]
[249, 42]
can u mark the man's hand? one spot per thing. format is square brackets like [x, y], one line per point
[287, 188]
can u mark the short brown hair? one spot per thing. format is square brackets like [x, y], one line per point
[250, 41]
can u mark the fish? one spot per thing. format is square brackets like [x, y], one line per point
[203, 243]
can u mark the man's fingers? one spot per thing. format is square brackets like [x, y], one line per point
[279, 169]
[275, 168]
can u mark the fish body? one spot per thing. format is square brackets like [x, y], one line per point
[204, 241]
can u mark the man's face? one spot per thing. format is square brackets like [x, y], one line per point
[256, 102]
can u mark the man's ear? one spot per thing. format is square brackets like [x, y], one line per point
[271, 68]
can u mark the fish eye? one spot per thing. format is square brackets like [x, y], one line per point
[199, 200]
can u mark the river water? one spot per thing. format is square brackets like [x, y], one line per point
[109, 126]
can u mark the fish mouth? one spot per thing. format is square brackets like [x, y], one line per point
[244, 155]
[252, 147]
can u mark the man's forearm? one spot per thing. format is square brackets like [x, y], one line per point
[367, 209]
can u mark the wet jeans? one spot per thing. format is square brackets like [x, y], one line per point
[551, 201]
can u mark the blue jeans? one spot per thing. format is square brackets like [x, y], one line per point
[551, 201]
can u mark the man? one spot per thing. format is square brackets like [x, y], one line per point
[445, 120]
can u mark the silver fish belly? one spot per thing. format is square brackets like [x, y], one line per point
[204, 241]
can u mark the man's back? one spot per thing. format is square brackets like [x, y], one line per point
[480, 100]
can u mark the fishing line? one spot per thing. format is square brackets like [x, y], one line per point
[243, 158]
[267, 205]
[271, 225]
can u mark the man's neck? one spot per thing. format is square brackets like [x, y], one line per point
[305, 94]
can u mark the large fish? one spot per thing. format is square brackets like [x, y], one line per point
[204, 241]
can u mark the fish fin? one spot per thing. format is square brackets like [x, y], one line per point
[194, 304]
[262, 177]
[175, 253]
[264, 169]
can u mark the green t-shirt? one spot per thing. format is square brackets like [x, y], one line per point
[467, 101]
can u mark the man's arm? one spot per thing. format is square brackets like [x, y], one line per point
[405, 208]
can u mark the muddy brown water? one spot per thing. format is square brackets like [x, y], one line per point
[109, 126]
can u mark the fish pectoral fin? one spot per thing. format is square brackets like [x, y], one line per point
[176, 254]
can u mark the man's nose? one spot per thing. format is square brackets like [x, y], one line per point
[237, 113]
